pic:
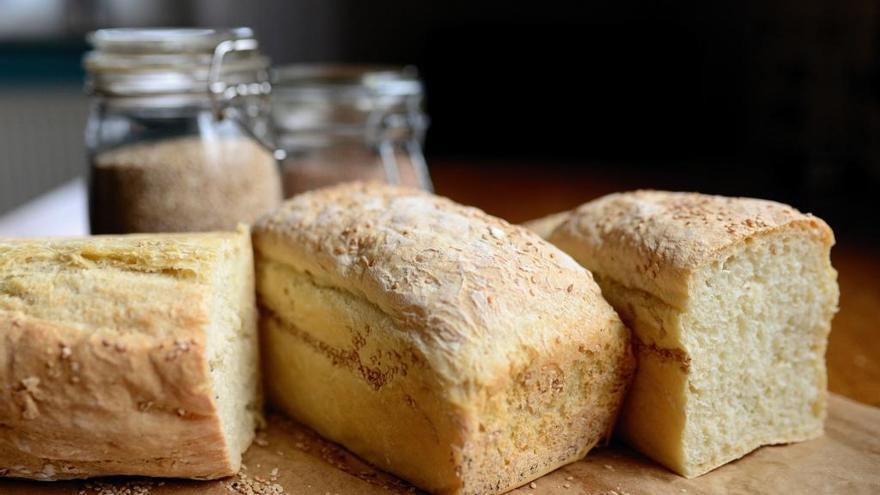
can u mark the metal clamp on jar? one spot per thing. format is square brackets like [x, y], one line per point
[179, 135]
[340, 123]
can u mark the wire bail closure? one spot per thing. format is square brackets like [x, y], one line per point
[381, 128]
[223, 94]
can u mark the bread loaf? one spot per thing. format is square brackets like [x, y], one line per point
[544, 226]
[731, 301]
[439, 343]
[132, 355]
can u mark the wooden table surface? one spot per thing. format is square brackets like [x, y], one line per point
[519, 193]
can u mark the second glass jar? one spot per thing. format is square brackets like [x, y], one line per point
[340, 123]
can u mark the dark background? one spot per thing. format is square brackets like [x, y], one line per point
[775, 99]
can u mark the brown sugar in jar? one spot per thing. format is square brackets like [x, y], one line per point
[179, 135]
[182, 184]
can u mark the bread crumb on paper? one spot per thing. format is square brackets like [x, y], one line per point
[242, 484]
[140, 487]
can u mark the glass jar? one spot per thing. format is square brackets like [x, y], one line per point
[179, 132]
[340, 123]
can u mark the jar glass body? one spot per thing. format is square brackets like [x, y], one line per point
[157, 167]
[344, 123]
[178, 133]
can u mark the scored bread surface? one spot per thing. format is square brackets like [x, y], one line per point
[104, 355]
[445, 345]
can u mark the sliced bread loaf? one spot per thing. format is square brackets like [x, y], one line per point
[132, 355]
[731, 301]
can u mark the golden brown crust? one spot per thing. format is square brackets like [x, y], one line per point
[103, 364]
[518, 355]
[450, 274]
[654, 240]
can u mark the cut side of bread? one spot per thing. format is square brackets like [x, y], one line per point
[731, 301]
[127, 355]
[437, 342]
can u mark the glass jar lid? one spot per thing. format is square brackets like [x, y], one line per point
[160, 61]
[313, 81]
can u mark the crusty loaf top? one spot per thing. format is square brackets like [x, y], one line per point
[148, 253]
[471, 291]
[145, 284]
[653, 240]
